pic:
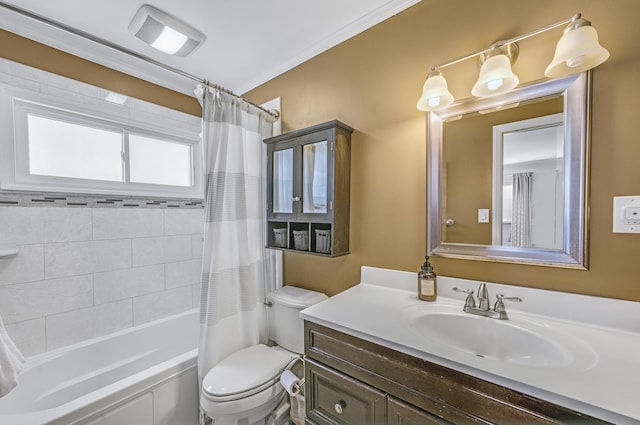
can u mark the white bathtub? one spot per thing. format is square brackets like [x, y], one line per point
[145, 375]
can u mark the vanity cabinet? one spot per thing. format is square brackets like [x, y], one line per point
[308, 189]
[350, 381]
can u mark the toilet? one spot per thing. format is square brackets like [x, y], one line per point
[244, 388]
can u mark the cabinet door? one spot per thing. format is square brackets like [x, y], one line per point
[335, 399]
[283, 192]
[400, 413]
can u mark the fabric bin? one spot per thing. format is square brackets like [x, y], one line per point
[280, 237]
[301, 240]
[323, 241]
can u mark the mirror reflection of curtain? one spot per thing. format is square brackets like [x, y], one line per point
[283, 181]
[308, 161]
[521, 212]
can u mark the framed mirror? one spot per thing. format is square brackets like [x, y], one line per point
[508, 176]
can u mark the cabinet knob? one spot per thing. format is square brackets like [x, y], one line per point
[296, 199]
[339, 407]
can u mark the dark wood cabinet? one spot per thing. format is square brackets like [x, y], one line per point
[340, 400]
[308, 189]
[408, 389]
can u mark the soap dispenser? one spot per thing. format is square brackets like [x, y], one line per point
[427, 286]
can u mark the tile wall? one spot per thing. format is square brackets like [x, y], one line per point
[85, 272]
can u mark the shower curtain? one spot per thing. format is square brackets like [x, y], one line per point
[521, 212]
[237, 270]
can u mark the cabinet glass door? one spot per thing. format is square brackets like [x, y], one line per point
[283, 181]
[314, 178]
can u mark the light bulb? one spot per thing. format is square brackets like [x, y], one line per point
[494, 84]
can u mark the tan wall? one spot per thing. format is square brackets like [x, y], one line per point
[28, 52]
[372, 82]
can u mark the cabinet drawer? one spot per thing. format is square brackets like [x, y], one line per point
[334, 398]
[400, 413]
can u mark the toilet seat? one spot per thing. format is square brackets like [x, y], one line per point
[247, 372]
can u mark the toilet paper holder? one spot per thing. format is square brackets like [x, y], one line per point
[289, 381]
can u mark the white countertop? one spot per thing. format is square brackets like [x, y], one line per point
[604, 384]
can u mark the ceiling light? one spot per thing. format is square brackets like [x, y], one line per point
[165, 32]
[435, 94]
[578, 50]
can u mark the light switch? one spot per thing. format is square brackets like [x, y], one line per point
[626, 214]
[483, 215]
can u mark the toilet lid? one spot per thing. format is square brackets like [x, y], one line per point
[246, 372]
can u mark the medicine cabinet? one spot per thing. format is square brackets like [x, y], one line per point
[308, 174]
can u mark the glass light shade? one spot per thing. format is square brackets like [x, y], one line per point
[495, 77]
[577, 50]
[435, 94]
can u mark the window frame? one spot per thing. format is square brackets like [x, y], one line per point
[18, 103]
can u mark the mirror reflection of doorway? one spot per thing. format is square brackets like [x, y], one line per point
[528, 183]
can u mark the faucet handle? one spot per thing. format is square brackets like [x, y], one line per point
[470, 302]
[499, 306]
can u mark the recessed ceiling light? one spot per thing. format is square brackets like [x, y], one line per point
[165, 32]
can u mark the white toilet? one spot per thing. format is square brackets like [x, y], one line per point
[244, 388]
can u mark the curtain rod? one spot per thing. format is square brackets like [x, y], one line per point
[106, 43]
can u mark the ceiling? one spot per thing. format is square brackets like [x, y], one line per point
[248, 41]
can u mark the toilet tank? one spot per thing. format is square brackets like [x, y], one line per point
[286, 328]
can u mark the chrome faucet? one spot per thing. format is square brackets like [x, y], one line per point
[483, 308]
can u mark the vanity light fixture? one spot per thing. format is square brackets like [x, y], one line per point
[578, 50]
[165, 32]
[435, 94]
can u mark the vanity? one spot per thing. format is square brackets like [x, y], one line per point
[375, 354]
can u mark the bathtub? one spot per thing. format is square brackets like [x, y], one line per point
[145, 375]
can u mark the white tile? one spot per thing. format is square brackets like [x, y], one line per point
[29, 336]
[79, 325]
[167, 249]
[75, 258]
[183, 221]
[182, 273]
[24, 301]
[121, 223]
[26, 266]
[127, 283]
[155, 306]
[196, 295]
[197, 244]
[31, 225]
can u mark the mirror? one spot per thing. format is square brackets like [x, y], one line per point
[283, 181]
[314, 177]
[507, 176]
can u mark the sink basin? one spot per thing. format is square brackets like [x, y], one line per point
[520, 343]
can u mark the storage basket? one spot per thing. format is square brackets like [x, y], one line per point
[323, 241]
[280, 238]
[301, 240]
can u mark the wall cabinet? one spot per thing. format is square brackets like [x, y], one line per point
[350, 381]
[308, 189]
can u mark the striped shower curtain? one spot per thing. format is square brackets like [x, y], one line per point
[521, 210]
[237, 270]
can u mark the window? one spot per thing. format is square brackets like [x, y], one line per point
[64, 150]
